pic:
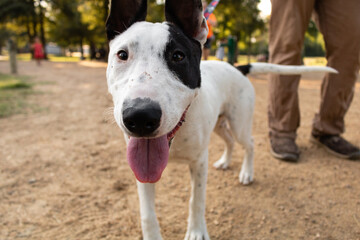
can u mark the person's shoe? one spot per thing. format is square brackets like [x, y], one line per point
[284, 149]
[337, 146]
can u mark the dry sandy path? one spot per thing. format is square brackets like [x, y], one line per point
[63, 172]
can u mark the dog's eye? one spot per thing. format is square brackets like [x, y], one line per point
[178, 56]
[122, 55]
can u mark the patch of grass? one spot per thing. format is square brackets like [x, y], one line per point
[46, 83]
[241, 59]
[51, 57]
[315, 61]
[23, 56]
[13, 93]
[13, 84]
[54, 58]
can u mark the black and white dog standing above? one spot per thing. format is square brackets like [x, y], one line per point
[157, 81]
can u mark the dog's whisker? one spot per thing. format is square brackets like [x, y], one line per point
[109, 111]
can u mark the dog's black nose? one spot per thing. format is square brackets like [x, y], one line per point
[141, 116]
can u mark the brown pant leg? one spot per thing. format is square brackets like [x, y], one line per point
[288, 23]
[339, 21]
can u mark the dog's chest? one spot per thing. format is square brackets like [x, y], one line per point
[194, 136]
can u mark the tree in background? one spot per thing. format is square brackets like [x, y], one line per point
[23, 18]
[95, 14]
[78, 22]
[41, 16]
[4, 36]
[21, 12]
[156, 11]
[75, 23]
[239, 18]
[66, 24]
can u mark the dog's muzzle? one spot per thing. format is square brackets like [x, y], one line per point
[141, 116]
[147, 155]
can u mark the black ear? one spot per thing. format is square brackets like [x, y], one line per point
[188, 16]
[123, 13]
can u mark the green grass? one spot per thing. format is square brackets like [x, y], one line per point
[52, 58]
[241, 60]
[315, 61]
[23, 57]
[13, 93]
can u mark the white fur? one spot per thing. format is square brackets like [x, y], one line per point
[224, 103]
[145, 74]
[288, 69]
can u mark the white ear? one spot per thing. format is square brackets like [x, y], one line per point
[202, 33]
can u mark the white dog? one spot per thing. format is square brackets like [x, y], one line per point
[167, 102]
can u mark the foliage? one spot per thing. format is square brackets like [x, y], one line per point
[156, 12]
[74, 23]
[314, 43]
[67, 27]
[240, 18]
[78, 22]
[10, 9]
[23, 19]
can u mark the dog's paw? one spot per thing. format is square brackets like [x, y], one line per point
[245, 177]
[196, 234]
[222, 163]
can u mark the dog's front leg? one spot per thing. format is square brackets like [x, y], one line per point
[149, 224]
[196, 222]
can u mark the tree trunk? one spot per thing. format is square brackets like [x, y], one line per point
[34, 21]
[12, 55]
[28, 32]
[92, 50]
[106, 9]
[249, 49]
[81, 48]
[30, 36]
[238, 39]
[106, 13]
[42, 31]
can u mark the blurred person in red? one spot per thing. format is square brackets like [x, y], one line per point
[38, 51]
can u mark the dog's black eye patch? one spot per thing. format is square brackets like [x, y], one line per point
[183, 56]
[123, 55]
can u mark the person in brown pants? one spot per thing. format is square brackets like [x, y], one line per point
[339, 22]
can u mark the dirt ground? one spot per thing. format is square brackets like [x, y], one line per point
[63, 172]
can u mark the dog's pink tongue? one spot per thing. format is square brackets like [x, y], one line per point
[148, 157]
